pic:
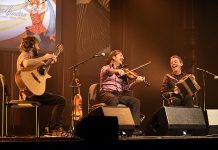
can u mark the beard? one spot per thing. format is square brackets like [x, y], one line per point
[34, 52]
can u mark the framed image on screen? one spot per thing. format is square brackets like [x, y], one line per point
[19, 18]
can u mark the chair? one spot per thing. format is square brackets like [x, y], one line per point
[17, 104]
[93, 98]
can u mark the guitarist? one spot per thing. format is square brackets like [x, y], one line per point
[28, 57]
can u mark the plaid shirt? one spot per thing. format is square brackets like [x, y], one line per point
[111, 82]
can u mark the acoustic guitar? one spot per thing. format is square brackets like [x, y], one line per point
[32, 80]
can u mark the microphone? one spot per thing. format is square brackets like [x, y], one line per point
[199, 69]
[99, 55]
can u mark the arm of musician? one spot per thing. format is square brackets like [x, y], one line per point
[34, 61]
[138, 80]
[110, 71]
[176, 90]
[165, 87]
[118, 72]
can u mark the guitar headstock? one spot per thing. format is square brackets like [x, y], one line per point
[60, 49]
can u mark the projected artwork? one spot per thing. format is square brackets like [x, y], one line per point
[19, 18]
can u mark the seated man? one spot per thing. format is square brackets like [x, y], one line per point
[169, 91]
[114, 86]
[28, 57]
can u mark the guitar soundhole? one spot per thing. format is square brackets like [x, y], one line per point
[41, 70]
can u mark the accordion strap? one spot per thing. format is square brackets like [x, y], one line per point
[171, 77]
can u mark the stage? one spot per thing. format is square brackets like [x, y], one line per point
[124, 142]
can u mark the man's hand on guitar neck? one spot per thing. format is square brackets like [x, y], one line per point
[50, 56]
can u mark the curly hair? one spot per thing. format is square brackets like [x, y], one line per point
[28, 43]
[112, 53]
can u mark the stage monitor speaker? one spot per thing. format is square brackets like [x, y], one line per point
[212, 118]
[173, 121]
[101, 128]
[123, 114]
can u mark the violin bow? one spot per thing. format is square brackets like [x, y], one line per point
[138, 67]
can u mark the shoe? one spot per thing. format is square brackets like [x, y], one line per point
[60, 132]
[47, 131]
[137, 133]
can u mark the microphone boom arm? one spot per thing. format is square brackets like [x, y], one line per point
[75, 66]
[215, 76]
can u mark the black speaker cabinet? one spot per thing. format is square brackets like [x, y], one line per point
[212, 118]
[173, 121]
[123, 114]
[98, 128]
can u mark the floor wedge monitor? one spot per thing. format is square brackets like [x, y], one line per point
[174, 121]
[123, 114]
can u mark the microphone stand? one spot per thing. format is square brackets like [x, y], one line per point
[77, 65]
[73, 103]
[72, 124]
[204, 85]
[204, 92]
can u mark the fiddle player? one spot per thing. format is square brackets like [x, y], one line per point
[169, 91]
[114, 87]
[28, 57]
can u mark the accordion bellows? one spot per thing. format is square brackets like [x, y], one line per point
[188, 85]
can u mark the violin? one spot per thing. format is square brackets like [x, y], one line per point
[130, 74]
[77, 101]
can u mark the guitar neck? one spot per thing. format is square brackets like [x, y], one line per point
[79, 90]
[56, 53]
[48, 63]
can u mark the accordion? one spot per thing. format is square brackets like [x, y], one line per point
[188, 85]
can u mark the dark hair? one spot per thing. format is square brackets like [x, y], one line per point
[176, 56]
[27, 43]
[112, 53]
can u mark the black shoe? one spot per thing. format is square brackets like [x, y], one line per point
[137, 133]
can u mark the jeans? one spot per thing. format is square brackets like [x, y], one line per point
[58, 102]
[115, 98]
[186, 101]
